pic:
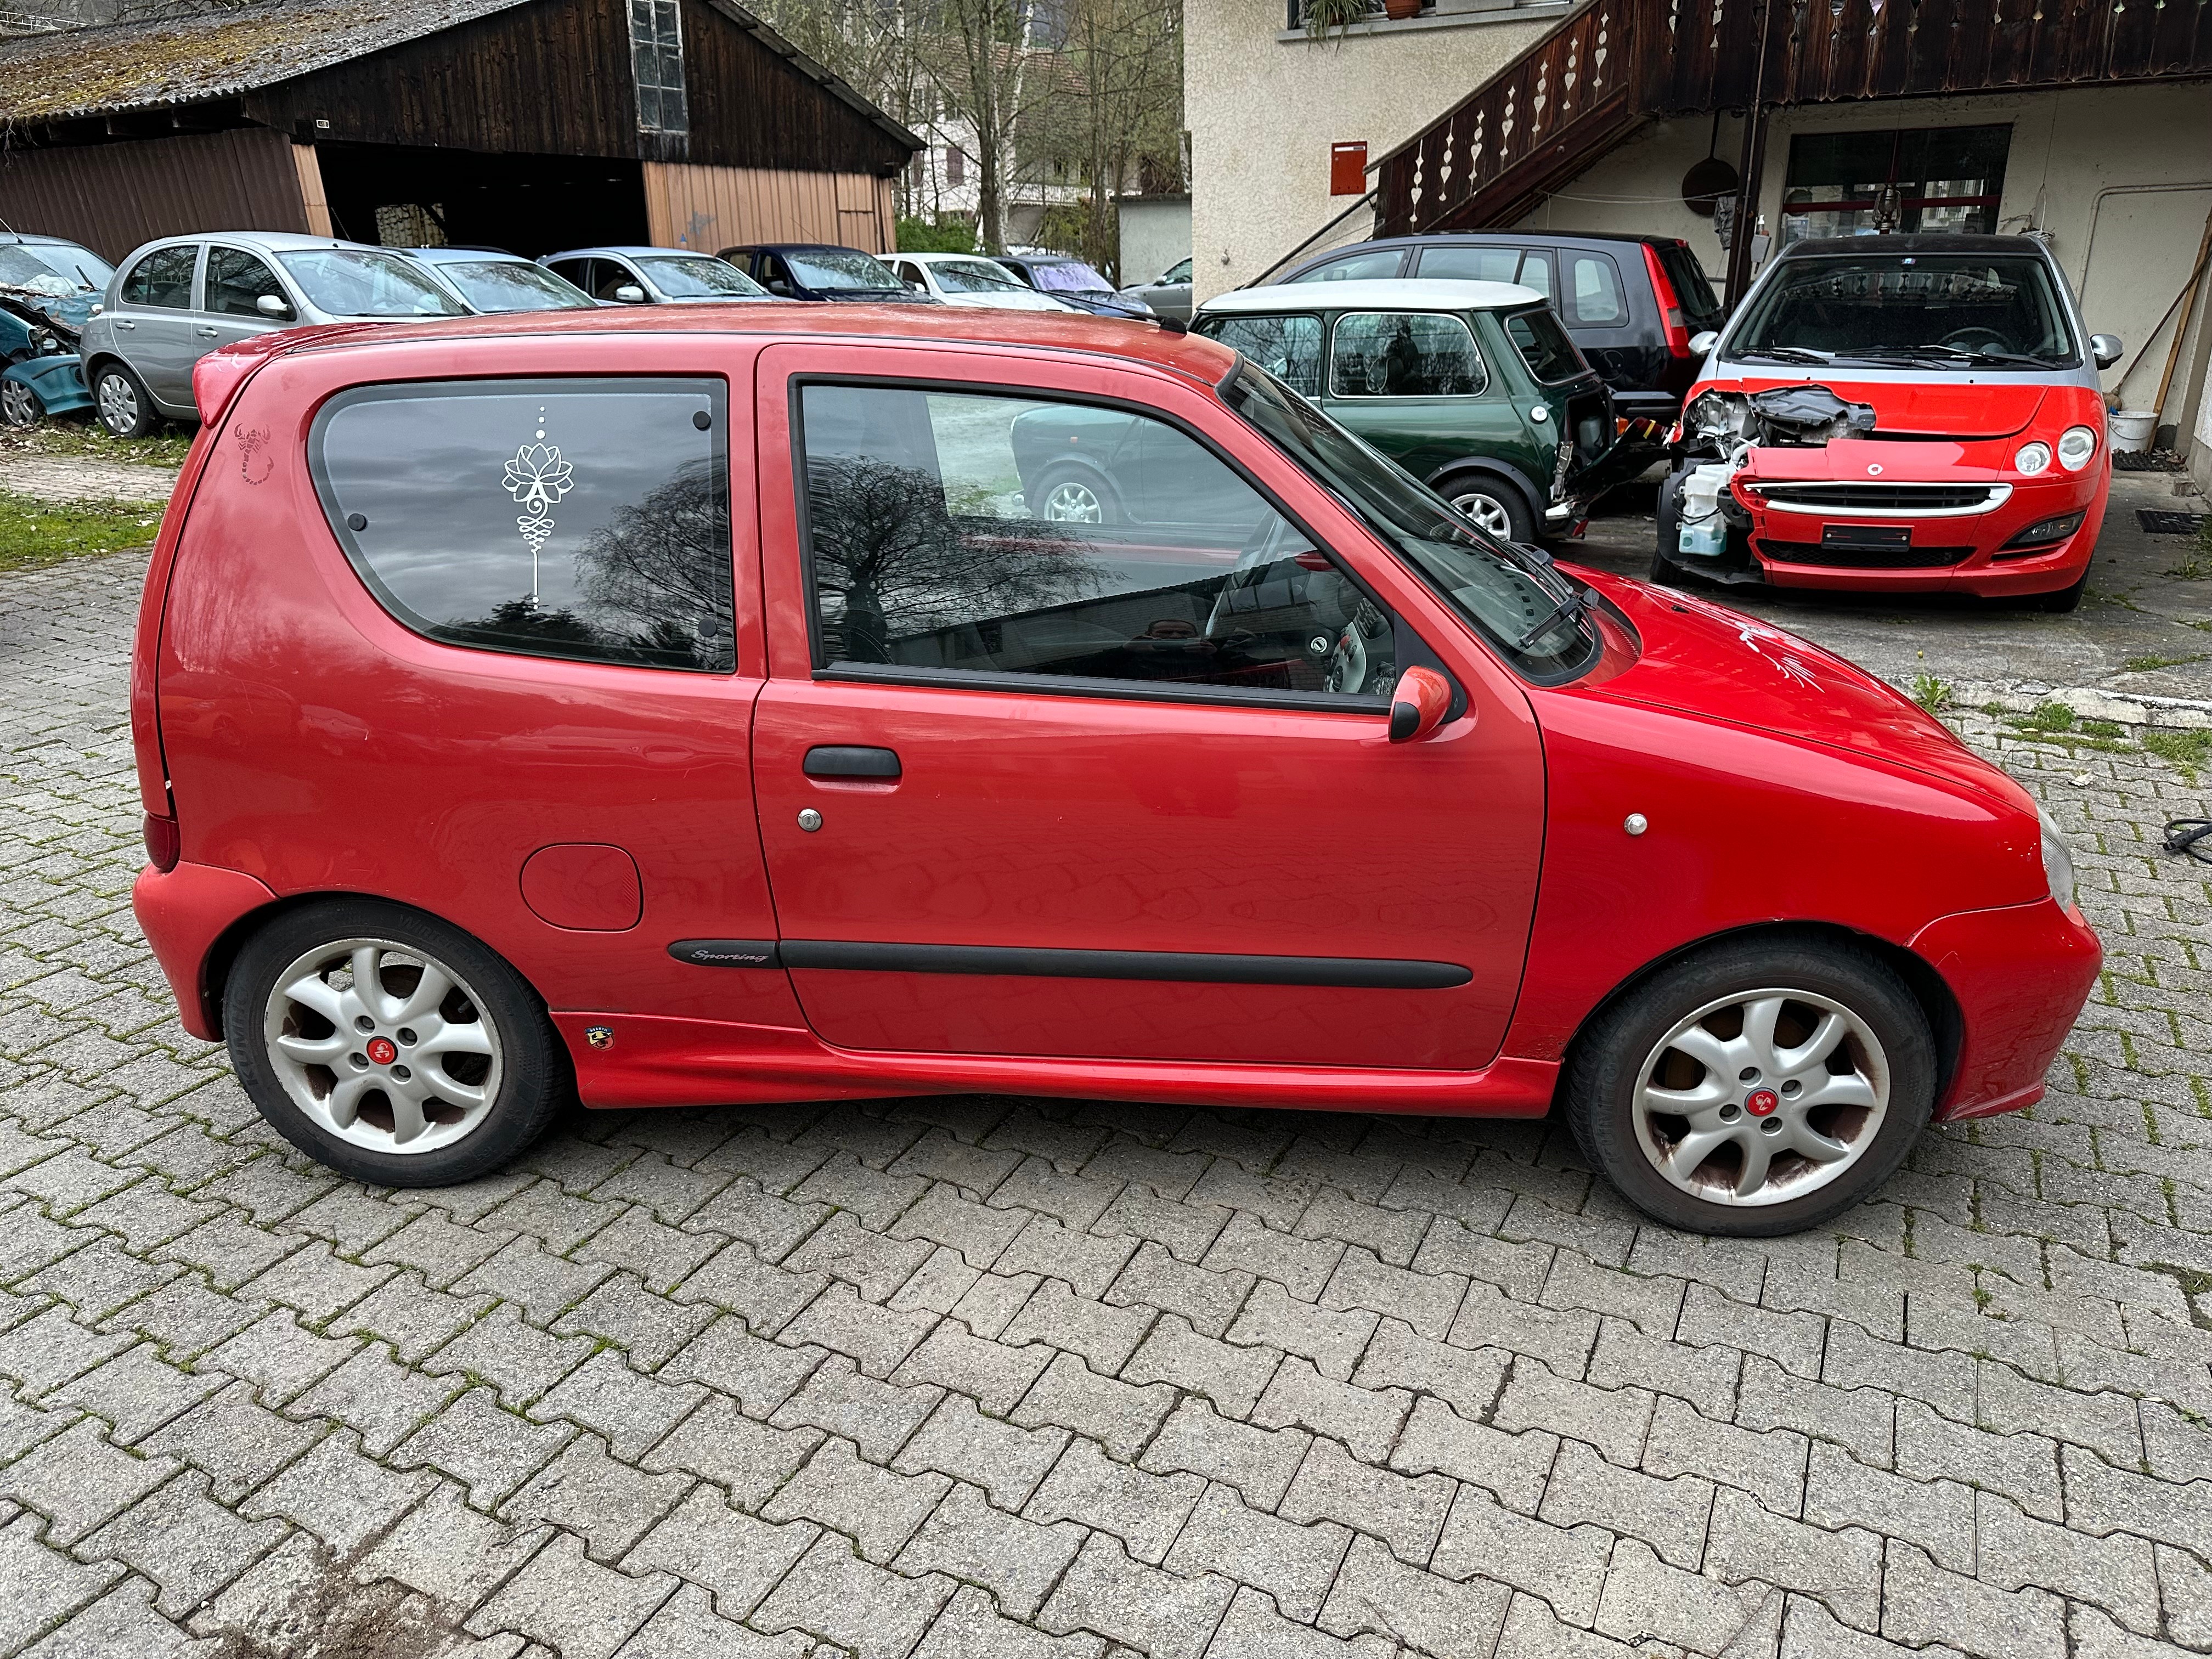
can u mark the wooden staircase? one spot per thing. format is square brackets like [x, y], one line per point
[1610, 66]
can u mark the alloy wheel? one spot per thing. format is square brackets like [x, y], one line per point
[1485, 510]
[1074, 502]
[1761, 1097]
[382, 1046]
[118, 403]
[19, 405]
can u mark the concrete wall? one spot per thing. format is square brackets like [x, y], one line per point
[1263, 111]
[1155, 234]
[2118, 178]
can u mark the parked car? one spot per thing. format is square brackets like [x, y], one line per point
[969, 279]
[922, 792]
[652, 276]
[177, 299]
[815, 271]
[490, 281]
[1631, 303]
[48, 288]
[1074, 281]
[1165, 295]
[1900, 413]
[1472, 388]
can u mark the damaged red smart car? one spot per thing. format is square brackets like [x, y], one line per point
[1901, 413]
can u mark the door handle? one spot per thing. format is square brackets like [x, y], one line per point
[203, 329]
[851, 761]
[121, 323]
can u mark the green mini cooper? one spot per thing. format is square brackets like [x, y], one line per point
[1474, 388]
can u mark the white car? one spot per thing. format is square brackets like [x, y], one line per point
[969, 279]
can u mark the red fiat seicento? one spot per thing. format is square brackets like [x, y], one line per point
[671, 710]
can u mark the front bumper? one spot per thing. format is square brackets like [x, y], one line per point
[2019, 975]
[1947, 552]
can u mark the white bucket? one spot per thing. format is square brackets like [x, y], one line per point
[2131, 429]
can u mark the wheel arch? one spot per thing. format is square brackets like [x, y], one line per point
[1491, 466]
[1937, 1005]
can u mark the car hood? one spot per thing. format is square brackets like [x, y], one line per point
[1701, 658]
[71, 311]
[1964, 408]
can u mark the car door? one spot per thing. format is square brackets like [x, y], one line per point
[230, 294]
[584, 273]
[1032, 787]
[153, 326]
[1171, 295]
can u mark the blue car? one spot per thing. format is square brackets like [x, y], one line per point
[48, 288]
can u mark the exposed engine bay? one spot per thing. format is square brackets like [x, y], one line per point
[1697, 508]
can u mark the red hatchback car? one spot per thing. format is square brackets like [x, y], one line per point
[682, 710]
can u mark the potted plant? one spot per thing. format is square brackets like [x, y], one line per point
[1324, 17]
[1399, 10]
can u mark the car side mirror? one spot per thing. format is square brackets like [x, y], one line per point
[630, 295]
[777, 285]
[1419, 705]
[2107, 350]
[270, 305]
[1701, 343]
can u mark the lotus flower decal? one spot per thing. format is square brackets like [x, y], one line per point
[538, 478]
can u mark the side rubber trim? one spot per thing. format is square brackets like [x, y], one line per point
[1368, 973]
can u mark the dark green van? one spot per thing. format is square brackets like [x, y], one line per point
[1473, 387]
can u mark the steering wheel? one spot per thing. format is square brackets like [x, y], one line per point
[1966, 338]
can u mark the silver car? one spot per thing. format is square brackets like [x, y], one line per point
[1168, 296]
[652, 276]
[176, 299]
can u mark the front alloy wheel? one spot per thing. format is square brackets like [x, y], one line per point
[1074, 502]
[19, 405]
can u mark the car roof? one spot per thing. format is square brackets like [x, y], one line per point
[1138, 343]
[1391, 293]
[1925, 242]
[268, 241]
[1493, 238]
[800, 248]
[38, 238]
[930, 258]
[456, 255]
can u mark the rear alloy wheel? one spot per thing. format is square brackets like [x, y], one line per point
[122, 401]
[20, 405]
[1497, 508]
[1755, 1089]
[389, 1046]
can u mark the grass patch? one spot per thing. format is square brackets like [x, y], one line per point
[2144, 664]
[34, 533]
[2191, 569]
[2049, 717]
[1931, 693]
[88, 439]
[2186, 750]
[2104, 729]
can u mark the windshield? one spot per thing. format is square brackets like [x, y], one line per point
[842, 268]
[699, 277]
[508, 285]
[1521, 604]
[1070, 276]
[975, 276]
[58, 270]
[2002, 309]
[342, 282]
[1544, 346]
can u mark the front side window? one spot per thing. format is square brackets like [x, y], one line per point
[1404, 353]
[1355, 267]
[1471, 265]
[235, 282]
[579, 519]
[953, 533]
[696, 276]
[163, 278]
[345, 282]
[498, 285]
[1544, 346]
[1536, 618]
[1995, 310]
[1180, 273]
[1288, 348]
[656, 57]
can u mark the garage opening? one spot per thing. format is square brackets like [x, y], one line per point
[528, 204]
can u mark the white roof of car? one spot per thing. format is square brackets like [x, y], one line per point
[944, 258]
[1381, 294]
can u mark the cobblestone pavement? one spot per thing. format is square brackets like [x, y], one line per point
[83, 478]
[1006, 1377]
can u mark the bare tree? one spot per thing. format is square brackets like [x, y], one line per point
[1126, 59]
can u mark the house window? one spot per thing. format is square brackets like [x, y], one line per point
[1929, 178]
[956, 166]
[656, 56]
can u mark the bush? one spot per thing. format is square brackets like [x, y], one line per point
[946, 236]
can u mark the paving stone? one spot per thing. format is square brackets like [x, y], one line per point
[876, 1339]
[1231, 1377]
[1019, 1560]
[2101, 1499]
[50, 1348]
[1646, 1600]
[607, 1503]
[1401, 1357]
[1252, 1626]
[686, 1627]
[1143, 1510]
[503, 1349]
[1512, 1467]
[78, 1481]
[488, 1450]
[833, 1594]
[1407, 1513]
[1376, 1593]
[1153, 1277]
[994, 1374]
[1923, 1603]
[1258, 1462]
[443, 1549]
[44, 1586]
[136, 1391]
[1936, 1515]
[315, 1282]
[123, 1621]
[1705, 1378]
[2118, 1572]
[764, 1295]
[234, 1440]
[408, 1315]
[718, 1442]
[739, 1559]
[728, 1357]
[1863, 1421]
[380, 1399]
[1669, 1515]
[2023, 1466]
[878, 1417]
[631, 1409]
[1334, 1341]
[970, 1628]
[877, 1508]
[1483, 1539]
[1104, 1335]
[189, 1546]
[1159, 1614]
[1119, 1416]
[1301, 1266]
[577, 1608]
[1614, 1420]
[1294, 1564]
[1003, 1458]
[279, 1358]
[1366, 1419]
[1749, 1545]
[337, 1494]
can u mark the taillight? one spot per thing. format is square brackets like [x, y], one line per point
[163, 843]
[1670, 303]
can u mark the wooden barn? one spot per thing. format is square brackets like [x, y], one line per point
[526, 124]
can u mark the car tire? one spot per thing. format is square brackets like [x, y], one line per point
[1631, 1067]
[2066, 598]
[19, 406]
[1076, 495]
[390, 1102]
[121, 403]
[1495, 504]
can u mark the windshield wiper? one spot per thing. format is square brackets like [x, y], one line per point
[1782, 355]
[1920, 353]
[1572, 607]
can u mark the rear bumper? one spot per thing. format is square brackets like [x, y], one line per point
[183, 911]
[2019, 975]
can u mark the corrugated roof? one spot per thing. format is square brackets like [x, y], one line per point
[129, 66]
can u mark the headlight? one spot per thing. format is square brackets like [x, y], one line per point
[1713, 414]
[2058, 862]
[2033, 458]
[2075, 446]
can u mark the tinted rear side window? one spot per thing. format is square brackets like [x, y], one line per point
[581, 519]
[163, 277]
[1473, 264]
[1701, 306]
[1355, 267]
